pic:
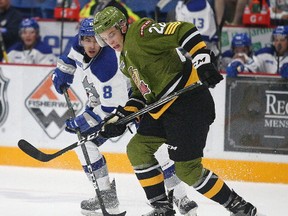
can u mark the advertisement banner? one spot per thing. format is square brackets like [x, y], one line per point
[256, 115]
[31, 109]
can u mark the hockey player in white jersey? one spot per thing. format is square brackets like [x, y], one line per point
[274, 59]
[240, 57]
[201, 14]
[103, 83]
[30, 50]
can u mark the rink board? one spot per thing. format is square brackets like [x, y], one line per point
[31, 109]
[118, 162]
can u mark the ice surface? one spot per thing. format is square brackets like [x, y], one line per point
[50, 192]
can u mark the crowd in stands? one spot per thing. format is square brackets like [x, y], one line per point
[209, 16]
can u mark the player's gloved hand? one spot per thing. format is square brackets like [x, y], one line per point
[234, 68]
[204, 62]
[284, 71]
[61, 79]
[111, 128]
[88, 119]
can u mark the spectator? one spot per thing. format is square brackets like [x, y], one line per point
[28, 8]
[30, 50]
[274, 59]
[229, 11]
[240, 58]
[201, 14]
[47, 8]
[10, 19]
[279, 12]
[91, 8]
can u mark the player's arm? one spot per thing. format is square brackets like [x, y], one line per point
[183, 34]
[204, 60]
[63, 74]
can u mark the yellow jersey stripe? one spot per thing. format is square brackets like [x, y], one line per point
[172, 27]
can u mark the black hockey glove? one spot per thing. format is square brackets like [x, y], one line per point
[204, 62]
[111, 128]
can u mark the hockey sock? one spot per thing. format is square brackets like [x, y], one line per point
[212, 187]
[152, 181]
[172, 182]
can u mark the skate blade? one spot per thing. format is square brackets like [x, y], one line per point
[91, 213]
[96, 213]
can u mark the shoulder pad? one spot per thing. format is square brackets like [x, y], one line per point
[263, 50]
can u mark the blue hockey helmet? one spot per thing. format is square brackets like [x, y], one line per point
[86, 28]
[280, 30]
[241, 40]
[29, 23]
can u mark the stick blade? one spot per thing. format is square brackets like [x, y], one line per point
[32, 151]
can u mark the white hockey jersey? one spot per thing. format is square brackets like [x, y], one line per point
[201, 14]
[268, 61]
[104, 83]
[41, 53]
[250, 64]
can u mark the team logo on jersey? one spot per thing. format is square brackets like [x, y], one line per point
[144, 26]
[50, 108]
[141, 85]
[3, 98]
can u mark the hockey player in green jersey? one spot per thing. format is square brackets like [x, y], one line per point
[150, 59]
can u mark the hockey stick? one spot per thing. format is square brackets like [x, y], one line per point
[41, 156]
[3, 49]
[88, 162]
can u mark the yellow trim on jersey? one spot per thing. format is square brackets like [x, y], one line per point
[200, 45]
[171, 28]
[193, 78]
[163, 109]
[131, 108]
[152, 181]
[215, 189]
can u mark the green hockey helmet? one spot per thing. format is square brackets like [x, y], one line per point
[107, 18]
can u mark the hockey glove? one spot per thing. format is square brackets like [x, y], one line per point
[204, 62]
[83, 122]
[111, 128]
[233, 68]
[284, 71]
[61, 79]
[63, 75]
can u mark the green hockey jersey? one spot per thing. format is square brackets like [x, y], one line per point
[150, 58]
